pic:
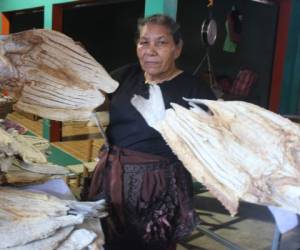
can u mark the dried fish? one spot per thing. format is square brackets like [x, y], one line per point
[34, 228]
[79, 239]
[31, 204]
[40, 143]
[52, 76]
[43, 221]
[49, 243]
[15, 144]
[47, 168]
[23, 152]
[237, 149]
[25, 203]
[92, 224]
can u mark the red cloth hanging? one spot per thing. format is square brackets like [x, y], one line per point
[243, 82]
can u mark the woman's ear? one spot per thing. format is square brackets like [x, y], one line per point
[178, 49]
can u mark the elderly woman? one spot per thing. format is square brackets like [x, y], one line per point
[148, 190]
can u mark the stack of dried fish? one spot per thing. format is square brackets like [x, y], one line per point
[236, 149]
[30, 220]
[40, 143]
[22, 160]
[51, 76]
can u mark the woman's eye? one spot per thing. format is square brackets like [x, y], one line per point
[143, 43]
[161, 43]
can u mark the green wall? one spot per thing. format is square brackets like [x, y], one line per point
[13, 5]
[168, 7]
[291, 82]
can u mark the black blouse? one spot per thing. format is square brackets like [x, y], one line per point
[127, 128]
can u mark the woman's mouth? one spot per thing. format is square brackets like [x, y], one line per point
[151, 63]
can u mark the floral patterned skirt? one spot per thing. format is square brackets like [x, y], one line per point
[149, 198]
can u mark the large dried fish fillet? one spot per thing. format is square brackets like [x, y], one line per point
[42, 204]
[15, 144]
[22, 177]
[50, 243]
[22, 161]
[40, 219]
[52, 76]
[79, 239]
[24, 203]
[237, 149]
[33, 228]
[93, 224]
[48, 168]
[27, 151]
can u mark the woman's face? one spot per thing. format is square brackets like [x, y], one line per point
[157, 51]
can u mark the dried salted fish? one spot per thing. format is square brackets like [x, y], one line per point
[27, 151]
[6, 143]
[40, 143]
[92, 224]
[34, 228]
[24, 152]
[88, 209]
[21, 177]
[40, 219]
[49, 243]
[47, 168]
[237, 149]
[79, 239]
[15, 144]
[25, 203]
[52, 76]
[31, 204]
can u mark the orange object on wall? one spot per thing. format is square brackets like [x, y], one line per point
[5, 23]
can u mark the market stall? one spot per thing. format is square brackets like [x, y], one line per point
[50, 61]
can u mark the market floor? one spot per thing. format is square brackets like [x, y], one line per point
[252, 228]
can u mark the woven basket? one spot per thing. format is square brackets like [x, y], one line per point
[5, 108]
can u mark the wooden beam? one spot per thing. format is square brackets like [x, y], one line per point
[55, 131]
[53, 18]
[57, 24]
[295, 83]
[290, 87]
[280, 53]
[57, 18]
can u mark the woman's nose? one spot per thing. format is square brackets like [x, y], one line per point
[151, 50]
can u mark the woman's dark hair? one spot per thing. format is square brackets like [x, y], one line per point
[163, 20]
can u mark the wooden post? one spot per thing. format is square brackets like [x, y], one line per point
[57, 17]
[52, 130]
[289, 95]
[280, 53]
